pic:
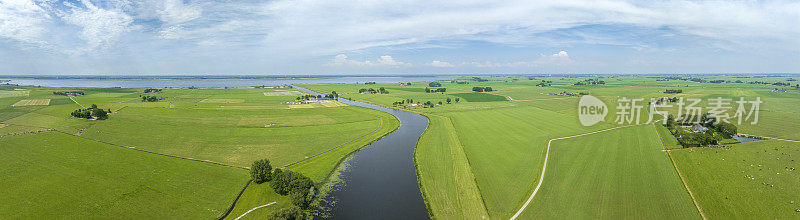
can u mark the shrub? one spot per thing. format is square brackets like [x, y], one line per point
[291, 213]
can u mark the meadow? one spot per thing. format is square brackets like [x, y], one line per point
[231, 127]
[481, 157]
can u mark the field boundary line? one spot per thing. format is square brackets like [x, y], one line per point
[236, 200]
[76, 102]
[253, 209]
[337, 147]
[544, 165]
[685, 185]
[151, 152]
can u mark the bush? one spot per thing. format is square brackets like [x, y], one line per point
[285, 182]
[291, 213]
[261, 171]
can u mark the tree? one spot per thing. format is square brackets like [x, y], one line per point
[448, 100]
[457, 99]
[291, 213]
[726, 128]
[261, 171]
[427, 90]
[100, 114]
[286, 182]
[94, 106]
[435, 84]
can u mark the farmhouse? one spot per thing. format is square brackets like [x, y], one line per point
[697, 128]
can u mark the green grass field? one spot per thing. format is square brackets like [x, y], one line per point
[231, 126]
[480, 158]
[756, 180]
[610, 175]
[55, 175]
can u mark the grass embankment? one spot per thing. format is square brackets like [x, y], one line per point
[445, 176]
[54, 175]
[756, 180]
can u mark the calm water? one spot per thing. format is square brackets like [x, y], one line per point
[211, 83]
[381, 182]
[745, 139]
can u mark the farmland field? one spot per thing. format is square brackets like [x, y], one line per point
[480, 158]
[227, 126]
[503, 142]
[27, 102]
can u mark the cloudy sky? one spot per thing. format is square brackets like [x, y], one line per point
[157, 37]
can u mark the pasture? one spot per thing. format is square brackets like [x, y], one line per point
[610, 175]
[230, 126]
[756, 180]
[55, 175]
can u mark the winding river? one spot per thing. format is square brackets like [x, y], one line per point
[381, 182]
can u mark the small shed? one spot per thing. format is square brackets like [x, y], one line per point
[697, 128]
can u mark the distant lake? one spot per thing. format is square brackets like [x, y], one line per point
[214, 82]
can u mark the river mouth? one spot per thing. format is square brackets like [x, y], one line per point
[380, 180]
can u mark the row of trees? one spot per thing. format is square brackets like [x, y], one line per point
[373, 91]
[674, 91]
[442, 90]
[298, 187]
[427, 104]
[151, 98]
[482, 89]
[152, 90]
[91, 113]
[435, 84]
[69, 93]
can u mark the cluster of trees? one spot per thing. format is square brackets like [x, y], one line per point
[717, 130]
[672, 91]
[479, 79]
[298, 187]
[152, 90]
[369, 83]
[373, 91]
[482, 89]
[69, 93]
[308, 97]
[590, 82]
[333, 95]
[428, 90]
[435, 84]
[92, 112]
[427, 104]
[151, 98]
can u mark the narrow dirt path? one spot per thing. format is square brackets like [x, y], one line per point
[544, 165]
[253, 209]
[76, 102]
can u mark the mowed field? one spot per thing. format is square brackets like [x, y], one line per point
[64, 167]
[615, 174]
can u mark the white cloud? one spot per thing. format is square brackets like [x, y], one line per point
[437, 63]
[23, 20]
[385, 60]
[100, 28]
[558, 59]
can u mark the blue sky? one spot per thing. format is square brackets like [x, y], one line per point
[158, 37]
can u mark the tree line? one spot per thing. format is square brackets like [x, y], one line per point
[69, 93]
[428, 90]
[482, 89]
[373, 91]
